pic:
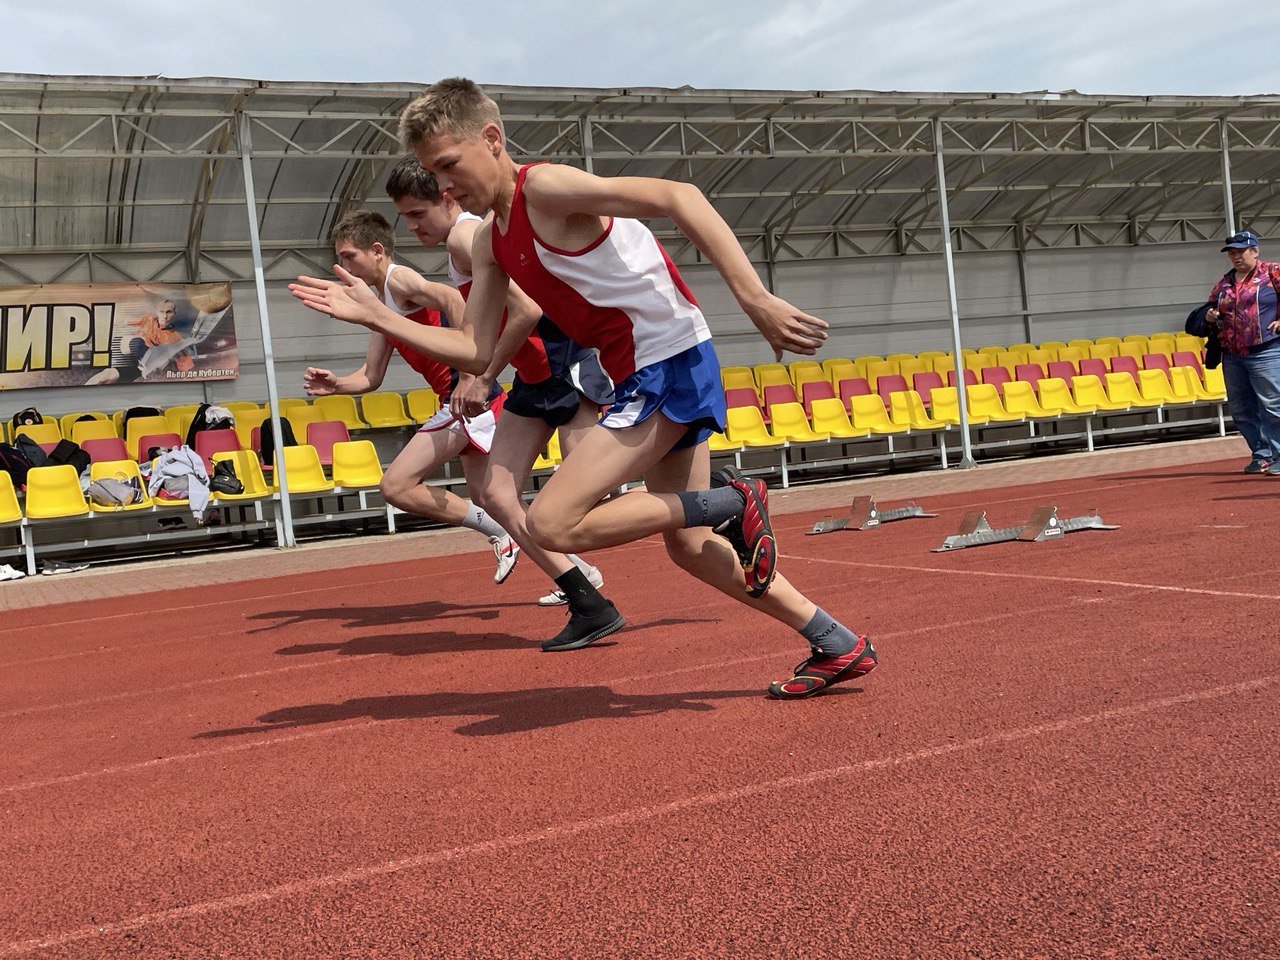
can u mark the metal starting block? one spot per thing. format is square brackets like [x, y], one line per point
[1044, 524]
[865, 515]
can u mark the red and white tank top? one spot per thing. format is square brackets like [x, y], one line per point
[439, 376]
[621, 294]
[530, 361]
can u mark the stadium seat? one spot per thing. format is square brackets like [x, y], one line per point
[770, 375]
[1009, 359]
[1087, 391]
[249, 473]
[424, 402]
[984, 405]
[805, 371]
[341, 407]
[777, 393]
[105, 448]
[996, 377]
[976, 361]
[139, 426]
[1155, 388]
[1214, 386]
[909, 367]
[119, 470]
[149, 440]
[940, 365]
[355, 463]
[288, 404]
[788, 422]
[746, 428]
[323, 435]
[1122, 388]
[928, 356]
[719, 443]
[1054, 345]
[301, 417]
[10, 510]
[1063, 370]
[1183, 383]
[237, 407]
[54, 492]
[1184, 341]
[970, 377]
[1056, 395]
[852, 387]
[1031, 373]
[1162, 344]
[924, 383]
[47, 432]
[384, 410]
[991, 353]
[829, 417]
[819, 390]
[1071, 355]
[842, 370]
[1020, 400]
[1140, 338]
[551, 457]
[743, 397]
[868, 415]
[246, 423]
[888, 385]
[67, 422]
[209, 442]
[945, 407]
[1189, 358]
[1155, 361]
[92, 430]
[1125, 364]
[899, 357]
[305, 475]
[1132, 348]
[1093, 367]
[1021, 347]
[1103, 351]
[1107, 342]
[180, 417]
[906, 408]
[880, 368]
[1080, 344]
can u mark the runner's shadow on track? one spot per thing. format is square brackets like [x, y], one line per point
[388, 616]
[1256, 496]
[414, 644]
[516, 711]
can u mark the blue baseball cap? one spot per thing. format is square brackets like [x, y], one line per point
[1241, 241]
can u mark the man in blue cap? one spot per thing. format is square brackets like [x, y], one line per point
[1242, 313]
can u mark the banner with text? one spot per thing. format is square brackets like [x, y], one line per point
[87, 335]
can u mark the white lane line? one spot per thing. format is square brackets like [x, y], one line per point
[626, 818]
[477, 708]
[1053, 578]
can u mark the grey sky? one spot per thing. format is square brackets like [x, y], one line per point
[1094, 46]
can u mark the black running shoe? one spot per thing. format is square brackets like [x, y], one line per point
[751, 534]
[585, 629]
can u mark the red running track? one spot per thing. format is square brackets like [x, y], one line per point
[1069, 751]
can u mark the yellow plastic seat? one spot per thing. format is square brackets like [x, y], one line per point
[1074, 354]
[355, 464]
[248, 471]
[984, 405]
[746, 428]
[1054, 345]
[1087, 390]
[1042, 357]
[300, 417]
[943, 364]
[303, 469]
[384, 410]
[805, 371]
[1215, 387]
[1107, 341]
[880, 368]
[289, 404]
[119, 470]
[992, 352]
[47, 432]
[1132, 348]
[1103, 351]
[1162, 343]
[140, 427]
[719, 443]
[180, 417]
[1121, 388]
[1184, 383]
[1021, 347]
[928, 356]
[10, 511]
[550, 457]
[899, 357]
[829, 417]
[909, 367]
[424, 402]
[868, 415]
[1138, 338]
[246, 421]
[771, 375]
[1082, 345]
[1056, 395]
[1020, 400]
[788, 422]
[340, 407]
[92, 430]
[67, 421]
[867, 358]
[976, 361]
[1009, 359]
[54, 492]
[1184, 341]
[843, 369]
[237, 407]
[506, 385]
[906, 408]
[1156, 389]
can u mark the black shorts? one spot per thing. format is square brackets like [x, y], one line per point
[556, 400]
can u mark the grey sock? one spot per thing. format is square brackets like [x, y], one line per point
[710, 508]
[827, 635]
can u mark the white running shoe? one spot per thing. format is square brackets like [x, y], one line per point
[10, 573]
[507, 552]
[556, 598]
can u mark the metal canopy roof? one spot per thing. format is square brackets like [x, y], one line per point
[94, 168]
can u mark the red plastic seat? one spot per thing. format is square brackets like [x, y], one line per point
[741, 397]
[1127, 365]
[923, 383]
[1155, 361]
[209, 442]
[1094, 367]
[851, 387]
[105, 449]
[815, 390]
[970, 378]
[1031, 373]
[323, 435]
[888, 384]
[997, 377]
[779, 393]
[1185, 358]
[1062, 370]
[147, 441]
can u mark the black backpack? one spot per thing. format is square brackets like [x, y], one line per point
[25, 418]
[14, 463]
[31, 450]
[202, 421]
[266, 440]
[135, 412]
[68, 452]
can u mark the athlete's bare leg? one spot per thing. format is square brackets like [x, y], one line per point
[402, 484]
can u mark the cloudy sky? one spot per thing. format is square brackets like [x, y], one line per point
[1094, 46]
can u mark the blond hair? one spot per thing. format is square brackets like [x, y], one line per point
[456, 106]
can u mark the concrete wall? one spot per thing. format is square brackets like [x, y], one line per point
[875, 305]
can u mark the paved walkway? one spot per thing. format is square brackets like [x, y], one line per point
[112, 580]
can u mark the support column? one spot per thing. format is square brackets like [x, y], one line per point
[966, 456]
[245, 141]
[1227, 204]
[1021, 239]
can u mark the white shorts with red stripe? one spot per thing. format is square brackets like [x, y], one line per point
[478, 430]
